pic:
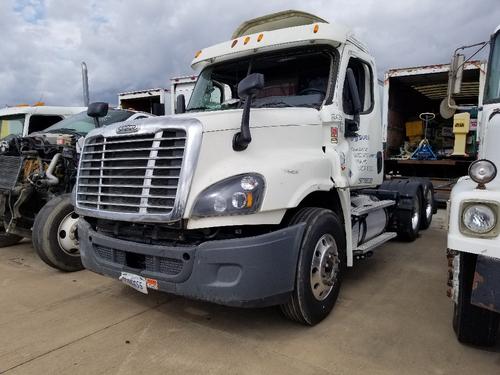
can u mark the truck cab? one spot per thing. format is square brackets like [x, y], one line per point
[473, 242]
[264, 188]
[23, 120]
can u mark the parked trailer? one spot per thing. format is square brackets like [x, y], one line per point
[265, 190]
[159, 101]
[409, 92]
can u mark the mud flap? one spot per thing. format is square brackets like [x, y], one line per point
[486, 284]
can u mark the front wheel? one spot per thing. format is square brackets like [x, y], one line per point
[320, 268]
[55, 236]
[472, 324]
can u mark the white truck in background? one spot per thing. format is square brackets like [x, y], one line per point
[23, 120]
[474, 209]
[158, 101]
[264, 189]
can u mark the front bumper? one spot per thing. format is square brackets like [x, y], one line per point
[249, 272]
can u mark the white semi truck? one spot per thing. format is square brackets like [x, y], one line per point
[264, 188]
[474, 208]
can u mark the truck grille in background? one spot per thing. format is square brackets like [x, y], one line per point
[132, 173]
[10, 167]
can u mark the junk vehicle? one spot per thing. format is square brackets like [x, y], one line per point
[37, 175]
[23, 120]
[474, 208]
[158, 101]
[408, 92]
[264, 188]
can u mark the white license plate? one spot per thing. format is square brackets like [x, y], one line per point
[135, 281]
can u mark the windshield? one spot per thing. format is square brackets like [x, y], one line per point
[82, 124]
[11, 125]
[492, 89]
[292, 79]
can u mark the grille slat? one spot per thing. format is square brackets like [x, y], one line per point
[133, 173]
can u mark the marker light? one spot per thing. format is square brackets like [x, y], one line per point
[197, 54]
[234, 43]
[316, 28]
[482, 171]
[247, 39]
[259, 38]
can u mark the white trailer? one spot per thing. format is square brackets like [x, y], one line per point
[265, 190]
[158, 101]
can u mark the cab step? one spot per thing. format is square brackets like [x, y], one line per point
[366, 248]
[367, 208]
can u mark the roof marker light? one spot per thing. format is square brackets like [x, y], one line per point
[234, 43]
[316, 28]
[259, 38]
[247, 39]
[197, 54]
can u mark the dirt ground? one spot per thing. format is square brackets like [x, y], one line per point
[392, 317]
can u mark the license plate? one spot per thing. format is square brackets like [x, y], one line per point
[135, 281]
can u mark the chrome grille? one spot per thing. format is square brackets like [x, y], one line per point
[134, 174]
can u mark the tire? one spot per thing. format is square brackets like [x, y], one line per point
[322, 260]
[7, 239]
[411, 219]
[472, 324]
[428, 204]
[54, 235]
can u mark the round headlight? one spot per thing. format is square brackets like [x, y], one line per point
[479, 218]
[482, 171]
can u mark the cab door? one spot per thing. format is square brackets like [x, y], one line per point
[365, 156]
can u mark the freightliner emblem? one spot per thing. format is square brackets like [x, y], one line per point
[125, 129]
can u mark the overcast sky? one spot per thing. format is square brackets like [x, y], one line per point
[132, 45]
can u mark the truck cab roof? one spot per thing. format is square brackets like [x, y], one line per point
[41, 110]
[277, 31]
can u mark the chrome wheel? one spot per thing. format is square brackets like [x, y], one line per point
[67, 235]
[428, 204]
[325, 267]
[415, 218]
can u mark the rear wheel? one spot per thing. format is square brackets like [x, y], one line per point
[55, 236]
[320, 268]
[7, 239]
[472, 324]
[410, 219]
[427, 205]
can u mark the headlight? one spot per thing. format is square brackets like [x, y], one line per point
[482, 171]
[236, 195]
[479, 218]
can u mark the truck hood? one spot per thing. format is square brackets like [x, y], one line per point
[259, 117]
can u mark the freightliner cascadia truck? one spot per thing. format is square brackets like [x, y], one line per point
[474, 208]
[264, 188]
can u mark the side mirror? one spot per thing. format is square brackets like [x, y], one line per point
[456, 74]
[352, 126]
[180, 104]
[97, 109]
[247, 89]
[250, 85]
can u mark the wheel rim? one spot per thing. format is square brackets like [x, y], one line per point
[67, 234]
[325, 267]
[428, 204]
[415, 218]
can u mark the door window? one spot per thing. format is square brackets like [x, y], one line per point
[364, 80]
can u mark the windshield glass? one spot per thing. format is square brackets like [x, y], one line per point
[292, 79]
[492, 89]
[11, 125]
[82, 124]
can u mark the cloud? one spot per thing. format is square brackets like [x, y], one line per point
[134, 45]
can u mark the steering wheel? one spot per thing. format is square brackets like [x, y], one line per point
[313, 91]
